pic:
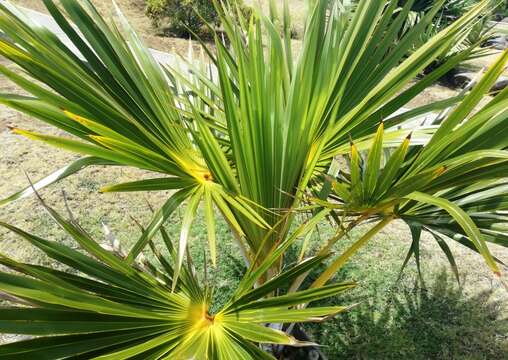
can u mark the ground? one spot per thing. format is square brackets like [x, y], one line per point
[134, 11]
[394, 319]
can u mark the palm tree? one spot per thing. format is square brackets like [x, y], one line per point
[260, 135]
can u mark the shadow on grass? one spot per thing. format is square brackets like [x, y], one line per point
[436, 322]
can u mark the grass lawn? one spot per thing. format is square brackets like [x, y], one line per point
[404, 319]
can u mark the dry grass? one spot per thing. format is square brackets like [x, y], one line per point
[134, 10]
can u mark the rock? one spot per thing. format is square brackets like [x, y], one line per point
[501, 83]
[505, 20]
[462, 79]
[498, 43]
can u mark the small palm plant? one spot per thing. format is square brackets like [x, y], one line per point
[108, 309]
[251, 134]
[436, 187]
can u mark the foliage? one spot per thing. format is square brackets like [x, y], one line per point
[451, 11]
[185, 17]
[454, 9]
[502, 11]
[109, 309]
[178, 16]
[255, 131]
[463, 164]
[199, 140]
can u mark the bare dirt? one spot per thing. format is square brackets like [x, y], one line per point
[134, 12]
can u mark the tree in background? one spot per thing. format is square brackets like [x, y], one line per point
[184, 18]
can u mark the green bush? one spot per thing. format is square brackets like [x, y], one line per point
[502, 11]
[177, 17]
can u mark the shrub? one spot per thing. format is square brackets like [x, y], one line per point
[177, 17]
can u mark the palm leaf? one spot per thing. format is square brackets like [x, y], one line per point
[213, 125]
[108, 309]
